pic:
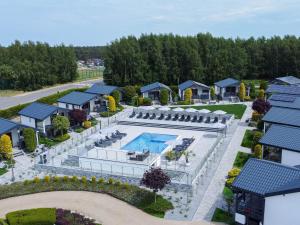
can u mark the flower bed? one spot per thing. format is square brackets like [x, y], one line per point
[138, 197]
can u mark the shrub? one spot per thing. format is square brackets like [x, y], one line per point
[128, 93]
[74, 179]
[36, 180]
[111, 104]
[101, 180]
[61, 123]
[111, 180]
[43, 216]
[56, 179]
[65, 178]
[247, 98]
[256, 116]
[256, 137]
[5, 146]
[252, 90]
[263, 85]
[117, 96]
[47, 179]
[258, 151]
[118, 183]
[87, 124]
[29, 139]
[94, 179]
[234, 172]
[242, 91]
[62, 138]
[147, 101]
[261, 106]
[107, 114]
[26, 182]
[84, 180]
[126, 186]
[78, 116]
[261, 94]
[260, 125]
[79, 130]
[188, 95]
[164, 97]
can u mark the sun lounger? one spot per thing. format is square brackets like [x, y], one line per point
[181, 118]
[152, 116]
[175, 117]
[207, 120]
[194, 119]
[224, 120]
[110, 139]
[161, 117]
[188, 118]
[121, 134]
[200, 120]
[216, 120]
[140, 115]
[146, 116]
[132, 115]
[169, 117]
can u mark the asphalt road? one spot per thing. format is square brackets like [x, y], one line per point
[6, 102]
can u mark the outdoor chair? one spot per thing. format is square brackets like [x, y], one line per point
[200, 120]
[188, 118]
[146, 116]
[115, 136]
[181, 118]
[224, 120]
[152, 116]
[169, 117]
[216, 120]
[161, 117]
[132, 115]
[121, 134]
[207, 120]
[140, 115]
[110, 139]
[194, 119]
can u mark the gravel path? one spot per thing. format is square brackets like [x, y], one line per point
[101, 207]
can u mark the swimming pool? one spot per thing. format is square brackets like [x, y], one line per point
[156, 143]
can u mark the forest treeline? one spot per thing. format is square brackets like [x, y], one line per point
[173, 59]
[29, 66]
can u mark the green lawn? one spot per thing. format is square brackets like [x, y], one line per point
[3, 171]
[222, 216]
[88, 74]
[248, 139]
[240, 159]
[236, 109]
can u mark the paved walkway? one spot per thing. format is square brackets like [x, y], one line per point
[213, 195]
[101, 207]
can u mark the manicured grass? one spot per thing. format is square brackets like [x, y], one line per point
[236, 109]
[43, 216]
[227, 193]
[87, 74]
[222, 216]
[3, 171]
[133, 195]
[248, 139]
[241, 158]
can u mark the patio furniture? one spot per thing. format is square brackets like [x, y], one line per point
[169, 117]
[132, 115]
[140, 156]
[152, 116]
[140, 115]
[224, 120]
[161, 117]
[114, 136]
[207, 120]
[110, 139]
[216, 120]
[181, 118]
[200, 120]
[130, 153]
[121, 134]
[175, 117]
[194, 119]
[188, 118]
[146, 116]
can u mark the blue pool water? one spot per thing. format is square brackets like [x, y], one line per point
[156, 143]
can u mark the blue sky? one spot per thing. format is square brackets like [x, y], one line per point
[98, 22]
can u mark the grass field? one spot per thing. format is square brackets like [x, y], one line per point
[236, 109]
[3, 171]
[8, 93]
[222, 216]
[247, 139]
[88, 74]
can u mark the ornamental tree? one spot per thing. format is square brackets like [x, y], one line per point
[29, 139]
[61, 123]
[263, 85]
[242, 91]
[129, 93]
[155, 179]
[188, 95]
[117, 96]
[164, 96]
[261, 106]
[252, 90]
[78, 116]
[261, 94]
[212, 92]
[5, 146]
[111, 104]
[258, 151]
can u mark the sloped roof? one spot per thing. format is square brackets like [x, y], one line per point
[285, 101]
[286, 116]
[101, 89]
[227, 82]
[7, 125]
[190, 83]
[281, 136]
[292, 80]
[267, 178]
[38, 110]
[284, 89]
[154, 86]
[77, 98]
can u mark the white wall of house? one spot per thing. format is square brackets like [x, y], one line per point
[290, 158]
[282, 209]
[15, 137]
[27, 121]
[92, 105]
[145, 95]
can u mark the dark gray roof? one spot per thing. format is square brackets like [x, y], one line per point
[289, 80]
[101, 89]
[38, 110]
[285, 101]
[7, 125]
[284, 89]
[227, 82]
[154, 86]
[281, 136]
[190, 83]
[77, 98]
[267, 178]
[286, 116]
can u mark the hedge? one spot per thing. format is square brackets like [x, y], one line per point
[51, 99]
[42, 216]
[29, 139]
